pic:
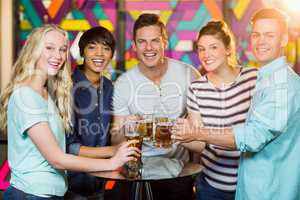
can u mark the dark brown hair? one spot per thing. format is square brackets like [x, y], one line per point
[149, 19]
[97, 35]
[220, 30]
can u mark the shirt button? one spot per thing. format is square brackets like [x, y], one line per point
[98, 118]
[96, 104]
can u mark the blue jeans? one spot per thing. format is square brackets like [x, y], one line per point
[12, 193]
[207, 192]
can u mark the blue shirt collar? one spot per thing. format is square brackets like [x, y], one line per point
[78, 76]
[273, 66]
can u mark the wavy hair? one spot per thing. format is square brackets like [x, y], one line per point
[24, 67]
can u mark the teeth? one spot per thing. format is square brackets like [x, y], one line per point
[209, 61]
[262, 49]
[54, 63]
[98, 60]
[149, 54]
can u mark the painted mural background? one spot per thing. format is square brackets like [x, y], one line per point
[183, 19]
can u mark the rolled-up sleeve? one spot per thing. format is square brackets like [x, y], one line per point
[267, 119]
[72, 140]
[74, 148]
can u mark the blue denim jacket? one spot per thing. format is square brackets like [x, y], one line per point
[92, 114]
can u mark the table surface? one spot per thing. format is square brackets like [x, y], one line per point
[156, 168]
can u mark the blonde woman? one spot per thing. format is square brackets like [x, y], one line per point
[35, 111]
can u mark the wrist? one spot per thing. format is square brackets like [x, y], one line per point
[111, 163]
[201, 134]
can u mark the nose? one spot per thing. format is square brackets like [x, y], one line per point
[261, 40]
[99, 51]
[148, 46]
[204, 54]
[58, 54]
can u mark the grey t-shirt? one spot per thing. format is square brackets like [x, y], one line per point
[136, 94]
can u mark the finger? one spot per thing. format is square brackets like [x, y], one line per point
[180, 120]
[129, 158]
[177, 143]
[129, 142]
[177, 130]
[178, 137]
[175, 137]
[134, 153]
[135, 149]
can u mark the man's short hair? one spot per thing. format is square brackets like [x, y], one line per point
[149, 19]
[271, 13]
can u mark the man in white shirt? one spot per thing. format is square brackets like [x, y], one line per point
[157, 82]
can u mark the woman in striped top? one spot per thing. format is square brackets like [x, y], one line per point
[220, 98]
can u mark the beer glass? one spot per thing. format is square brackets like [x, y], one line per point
[145, 128]
[163, 134]
[131, 133]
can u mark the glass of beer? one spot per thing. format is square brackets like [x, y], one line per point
[145, 128]
[163, 134]
[131, 133]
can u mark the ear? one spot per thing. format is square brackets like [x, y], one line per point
[284, 39]
[133, 45]
[228, 51]
[166, 43]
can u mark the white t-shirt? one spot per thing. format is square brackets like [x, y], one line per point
[136, 94]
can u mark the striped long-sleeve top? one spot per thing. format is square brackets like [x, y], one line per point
[222, 107]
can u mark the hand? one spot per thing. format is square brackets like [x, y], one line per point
[133, 117]
[183, 131]
[124, 154]
[116, 148]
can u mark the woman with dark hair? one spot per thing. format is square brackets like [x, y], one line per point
[92, 93]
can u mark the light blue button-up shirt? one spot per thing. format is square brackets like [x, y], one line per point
[270, 138]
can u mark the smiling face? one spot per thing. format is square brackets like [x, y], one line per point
[150, 45]
[96, 57]
[212, 53]
[54, 53]
[267, 40]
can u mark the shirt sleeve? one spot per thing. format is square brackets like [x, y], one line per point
[72, 140]
[267, 119]
[28, 109]
[192, 105]
[121, 96]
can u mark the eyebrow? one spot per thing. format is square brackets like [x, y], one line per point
[156, 38]
[208, 45]
[51, 43]
[273, 32]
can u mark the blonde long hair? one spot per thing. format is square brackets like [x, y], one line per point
[60, 86]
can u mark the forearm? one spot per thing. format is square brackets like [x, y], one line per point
[221, 137]
[194, 146]
[83, 164]
[97, 152]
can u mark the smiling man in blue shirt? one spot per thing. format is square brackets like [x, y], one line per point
[270, 139]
